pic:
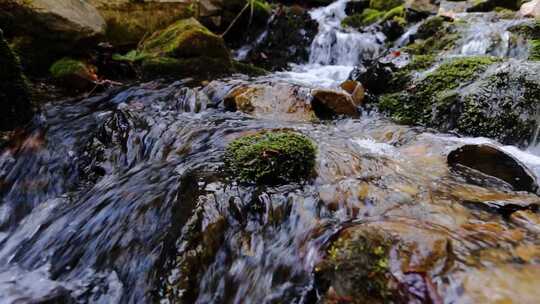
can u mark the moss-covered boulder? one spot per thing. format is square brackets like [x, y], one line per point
[14, 93]
[74, 74]
[357, 268]
[478, 96]
[184, 49]
[271, 157]
[130, 21]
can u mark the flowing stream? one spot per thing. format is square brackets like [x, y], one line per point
[119, 198]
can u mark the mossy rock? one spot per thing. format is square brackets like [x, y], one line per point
[271, 157]
[14, 92]
[185, 38]
[74, 74]
[184, 49]
[476, 96]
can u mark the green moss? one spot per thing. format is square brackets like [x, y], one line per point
[67, 66]
[453, 74]
[131, 56]
[367, 17]
[270, 157]
[534, 53]
[384, 5]
[185, 38]
[396, 12]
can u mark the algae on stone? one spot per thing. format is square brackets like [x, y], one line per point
[270, 157]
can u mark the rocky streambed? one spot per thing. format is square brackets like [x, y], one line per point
[393, 161]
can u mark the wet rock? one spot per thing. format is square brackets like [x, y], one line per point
[375, 75]
[530, 9]
[494, 162]
[329, 103]
[287, 40]
[130, 21]
[60, 20]
[382, 262]
[74, 74]
[355, 7]
[527, 219]
[270, 157]
[14, 92]
[279, 101]
[355, 89]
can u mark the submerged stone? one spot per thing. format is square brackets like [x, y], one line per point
[279, 101]
[493, 162]
[271, 157]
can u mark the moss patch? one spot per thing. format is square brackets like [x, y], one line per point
[384, 5]
[185, 38]
[271, 157]
[67, 66]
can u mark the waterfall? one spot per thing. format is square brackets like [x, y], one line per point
[334, 45]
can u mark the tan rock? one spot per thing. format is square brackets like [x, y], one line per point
[328, 103]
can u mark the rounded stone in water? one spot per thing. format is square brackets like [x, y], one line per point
[271, 157]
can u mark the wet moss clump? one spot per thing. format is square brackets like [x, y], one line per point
[384, 5]
[357, 267]
[271, 157]
[67, 66]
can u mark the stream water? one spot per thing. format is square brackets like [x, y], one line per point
[119, 198]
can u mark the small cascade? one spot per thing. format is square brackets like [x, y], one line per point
[335, 46]
[481, 35]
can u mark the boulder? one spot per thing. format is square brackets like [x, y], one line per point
[130, 21]
[280, 101]
[185, 49]
[288, 39]
[14, 93]
[69, 20]
[530, 9]
[492, 162]
[476, 96]
[271, 157]
[329, 103]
